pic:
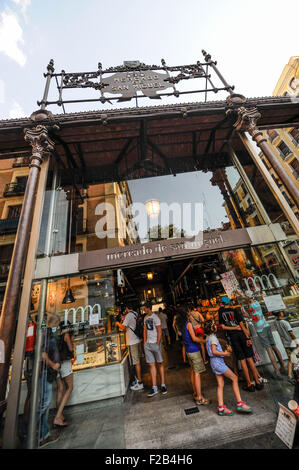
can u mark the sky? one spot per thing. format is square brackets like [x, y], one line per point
[251, 41]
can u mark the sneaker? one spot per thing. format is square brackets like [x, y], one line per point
[49, 440]
[163, 389]
[137, 386]
[259, 386]
[225, 411]
[262, 380]
[249, 389]
[152, 392]
[244, 408]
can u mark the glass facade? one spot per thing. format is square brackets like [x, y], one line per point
[85, 215]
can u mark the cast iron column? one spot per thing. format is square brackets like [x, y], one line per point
[246, 119]
[40, 142]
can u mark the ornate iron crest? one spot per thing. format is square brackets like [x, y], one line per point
[133, 79]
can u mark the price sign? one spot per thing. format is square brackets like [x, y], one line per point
[230, 283]
[274, 302]
[286, 426]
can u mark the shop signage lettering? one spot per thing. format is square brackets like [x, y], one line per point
[202, 243]
[87, 309]
[127, 83]
[260, 279]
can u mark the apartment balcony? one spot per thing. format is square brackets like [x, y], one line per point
[250, 210]
[272, 134]
[14, 189]
[20, 162]
[8, 226]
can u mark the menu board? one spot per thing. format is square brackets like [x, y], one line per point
[286, 426]
[230, 283]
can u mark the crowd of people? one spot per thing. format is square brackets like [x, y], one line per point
[207, 336]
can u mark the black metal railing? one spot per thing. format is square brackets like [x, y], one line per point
[8, 225]
[14, 189]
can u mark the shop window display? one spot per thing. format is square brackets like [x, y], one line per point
[262, 271]
[87, 304]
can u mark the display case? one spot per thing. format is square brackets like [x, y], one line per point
[98, 349]
[292, 311]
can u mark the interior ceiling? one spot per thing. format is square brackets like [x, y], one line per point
[137, 275]
[144, 142]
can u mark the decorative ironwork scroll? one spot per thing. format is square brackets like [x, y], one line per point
[133, 79]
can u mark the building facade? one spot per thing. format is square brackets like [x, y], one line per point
[91, 159]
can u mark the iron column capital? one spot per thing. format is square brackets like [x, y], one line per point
[40, 142]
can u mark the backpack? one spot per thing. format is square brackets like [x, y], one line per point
[139, 325]
[64, 352]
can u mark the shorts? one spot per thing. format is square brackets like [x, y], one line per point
[165, 332]
[134, 354]
[218, 365]
[289, 352]
[240, 348]
[196, 362]
[65, 369]
[153, 353]
[266, 337]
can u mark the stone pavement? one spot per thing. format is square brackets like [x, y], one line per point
[160, 422]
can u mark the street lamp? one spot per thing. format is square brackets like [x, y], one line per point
[152, 207]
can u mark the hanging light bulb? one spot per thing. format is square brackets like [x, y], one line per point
[68, 298]
[150, 276]
[106, 291]
[152, 208]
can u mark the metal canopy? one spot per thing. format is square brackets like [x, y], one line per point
[140, 142]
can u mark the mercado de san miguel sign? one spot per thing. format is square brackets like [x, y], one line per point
[201, 244]
[135, 79]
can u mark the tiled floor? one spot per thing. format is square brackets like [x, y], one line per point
[160, 422]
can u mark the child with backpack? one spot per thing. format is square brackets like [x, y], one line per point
[221, 370]
[133, 325]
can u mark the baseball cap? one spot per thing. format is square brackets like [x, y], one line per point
[225, 300]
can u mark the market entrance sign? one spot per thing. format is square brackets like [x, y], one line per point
[172, 248]
[128, 83]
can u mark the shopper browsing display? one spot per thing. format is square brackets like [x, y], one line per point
[133, 341]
